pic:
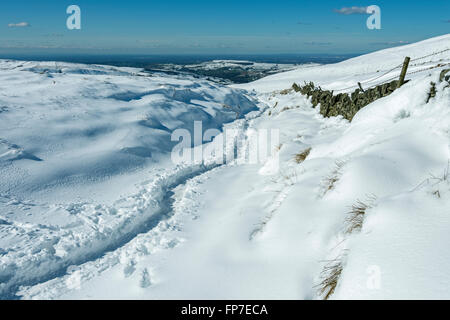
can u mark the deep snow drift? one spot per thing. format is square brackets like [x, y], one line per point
[368, 199]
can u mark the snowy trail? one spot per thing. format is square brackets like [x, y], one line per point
[153, 235]
[154, 203]
[110, 242]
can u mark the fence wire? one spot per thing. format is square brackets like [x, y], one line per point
[397, 67]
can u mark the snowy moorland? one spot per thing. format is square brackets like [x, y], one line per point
[243, 64]
[91, 206]
[228, 71]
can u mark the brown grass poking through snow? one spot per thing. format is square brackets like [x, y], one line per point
[299, 158]
[286, 91]
[437, 180]
[437, 193]
[356, 215]
[278, 147]
[445, 176]
[330, 181]
[330, 276]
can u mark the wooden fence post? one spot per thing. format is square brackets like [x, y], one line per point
[401, 81]
[360, 86]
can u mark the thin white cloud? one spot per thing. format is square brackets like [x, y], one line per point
[19, 25]
[391, 43]
[351, 10]
[313, 43]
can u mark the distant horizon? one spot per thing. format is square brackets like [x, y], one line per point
[142, 60]
[129, 51]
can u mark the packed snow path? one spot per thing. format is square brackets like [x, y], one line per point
[216, 232]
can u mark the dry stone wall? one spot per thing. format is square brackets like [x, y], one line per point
[344, 104]
[347, 105]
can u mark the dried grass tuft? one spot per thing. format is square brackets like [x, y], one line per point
[331, 180]
[356, 215]
[330, 276]
[300, 157]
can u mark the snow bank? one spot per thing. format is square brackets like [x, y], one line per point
[405, 162]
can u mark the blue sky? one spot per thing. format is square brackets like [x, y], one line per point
[216, 27]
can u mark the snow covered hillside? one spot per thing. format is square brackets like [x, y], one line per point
[92, 208]
[370, 69]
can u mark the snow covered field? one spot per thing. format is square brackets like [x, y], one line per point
[92, 207]
[243, 64]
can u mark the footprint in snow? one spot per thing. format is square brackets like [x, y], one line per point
[145, 281]
[13, 152]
